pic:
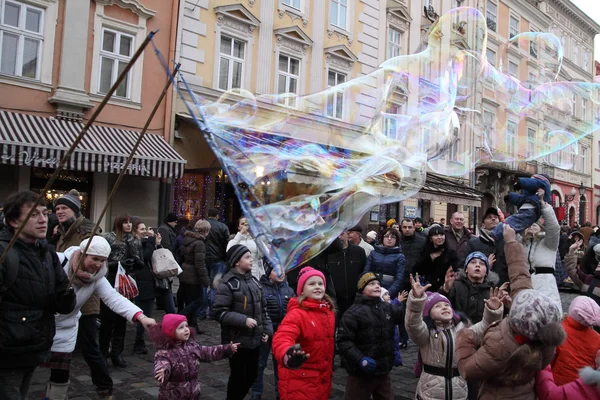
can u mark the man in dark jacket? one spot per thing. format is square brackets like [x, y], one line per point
[167, 232]
[486, 244]
[345, 266]
[457, 236]
[33, 287]
[419, 229]
[412, 245]
[216, 249]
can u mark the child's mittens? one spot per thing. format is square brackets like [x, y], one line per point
[295, 357]
[367, 364]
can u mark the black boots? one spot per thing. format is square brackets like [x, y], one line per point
[118, 361]
[139, 347]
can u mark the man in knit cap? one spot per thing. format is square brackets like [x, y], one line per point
[74, 228]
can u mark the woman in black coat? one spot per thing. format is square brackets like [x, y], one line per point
[436, 258]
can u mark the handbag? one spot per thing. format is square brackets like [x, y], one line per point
[125, 284]
[164, 264]
[161, 283]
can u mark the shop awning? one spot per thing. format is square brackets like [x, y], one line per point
[444, 190]
[42, 141]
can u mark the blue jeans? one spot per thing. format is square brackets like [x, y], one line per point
[519, 222]
[214, 268]
[258, 386]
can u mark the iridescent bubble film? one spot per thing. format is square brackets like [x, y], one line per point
[306, 168]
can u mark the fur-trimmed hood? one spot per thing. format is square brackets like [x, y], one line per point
[590, 376]
[194, 235]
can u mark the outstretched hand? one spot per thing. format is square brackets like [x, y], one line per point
[295, 357]
[160, 375]
[495, 300]
[540, 194]
[449, 279]
[403, 296]
[576, 245]
[417, 289]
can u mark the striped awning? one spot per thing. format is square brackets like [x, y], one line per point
[42, 141]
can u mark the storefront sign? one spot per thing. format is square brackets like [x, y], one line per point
[132, 168]
[410, 212]
[27, 158]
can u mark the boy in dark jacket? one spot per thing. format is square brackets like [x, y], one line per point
[240, 307]
[277, 293]
[366, 341]
[528, 203]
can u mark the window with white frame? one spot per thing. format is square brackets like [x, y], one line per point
[513, 27]
[21, 39]
[586, 60]
[571, 156]
[530, 142]
[573, 104]
[231, 63]
[563, 41]
[584, 107]
[513, 69]
[511, 132]
[583, 159]
[533, 47]
[335, 98]
[293, 3]
[338, 13]
[489, 123]
[491, 14]
[289, 74]
[115, 52]
[491, 56]
[576, 53]
[394, 42]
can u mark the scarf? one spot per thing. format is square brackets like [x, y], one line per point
[78, 276]
[487, 236]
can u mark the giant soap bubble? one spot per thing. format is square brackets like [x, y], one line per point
[305, 168]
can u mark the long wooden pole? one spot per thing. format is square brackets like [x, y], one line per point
[80, 136]
[128, 161]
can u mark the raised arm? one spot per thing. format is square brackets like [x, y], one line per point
[552, 237]
[518, 270]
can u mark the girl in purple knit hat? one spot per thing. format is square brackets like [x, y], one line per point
[432, 325]
[177, 356]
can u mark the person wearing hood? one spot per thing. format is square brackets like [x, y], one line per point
[365, 340]
[388, 261]
[244, 237]
[488, 245]
[87, 277]
[510, 354]
[468, 289]
[582, 342]
[585, 387]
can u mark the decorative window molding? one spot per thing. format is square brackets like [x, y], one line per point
[293, 38]
[235, 21]
[340, 58]
[46, 46]
[133, 5]
[399, 17]
[237, 17]
[335, 106]
[294, 13]
[343, 32]
[138, 31]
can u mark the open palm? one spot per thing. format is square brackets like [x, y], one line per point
[417, 288]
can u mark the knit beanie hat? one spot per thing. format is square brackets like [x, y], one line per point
[384, 291]
[585, 311]
[305, 274]
[170, 323]
[372, 235]
[432, 299]
[479, 255]
[70, 200]
[365, 279]
[235, 253]
[171, 217]
[391, 222]
[98, 247]
[530, 312]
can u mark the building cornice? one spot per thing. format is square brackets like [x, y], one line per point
[579, 17]
[133, 5]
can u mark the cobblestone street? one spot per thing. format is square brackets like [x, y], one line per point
[136, 381]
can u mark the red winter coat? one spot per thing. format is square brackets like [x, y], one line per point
[578, 351]
[313, 327]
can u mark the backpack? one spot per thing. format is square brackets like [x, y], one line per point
[13, 263]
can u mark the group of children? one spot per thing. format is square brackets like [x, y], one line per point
[494, 343]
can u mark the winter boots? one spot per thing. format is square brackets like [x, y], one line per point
[56, 391]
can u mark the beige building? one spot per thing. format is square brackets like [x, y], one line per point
[58, 58]
[570, 170]
[303, 47]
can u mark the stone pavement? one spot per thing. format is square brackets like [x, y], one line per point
[137, 382]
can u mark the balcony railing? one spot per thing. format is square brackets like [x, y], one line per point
[491, 24]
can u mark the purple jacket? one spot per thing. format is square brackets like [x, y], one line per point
[180, 362]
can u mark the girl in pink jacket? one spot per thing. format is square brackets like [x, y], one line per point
[587, 387]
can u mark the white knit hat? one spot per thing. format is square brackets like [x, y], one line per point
[98, 247]
[372, 235]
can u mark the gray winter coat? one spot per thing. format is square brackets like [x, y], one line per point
[239, 297]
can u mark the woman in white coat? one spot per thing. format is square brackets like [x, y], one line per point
[541, 244]
[87, 280]
[244, 237]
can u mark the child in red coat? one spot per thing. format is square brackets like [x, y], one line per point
[304, 343]
[176, 360]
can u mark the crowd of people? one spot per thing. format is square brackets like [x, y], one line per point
[484, 310]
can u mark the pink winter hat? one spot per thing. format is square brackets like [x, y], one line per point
[432, 299]
[305, 274]
[585, 311]
[170, 323]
